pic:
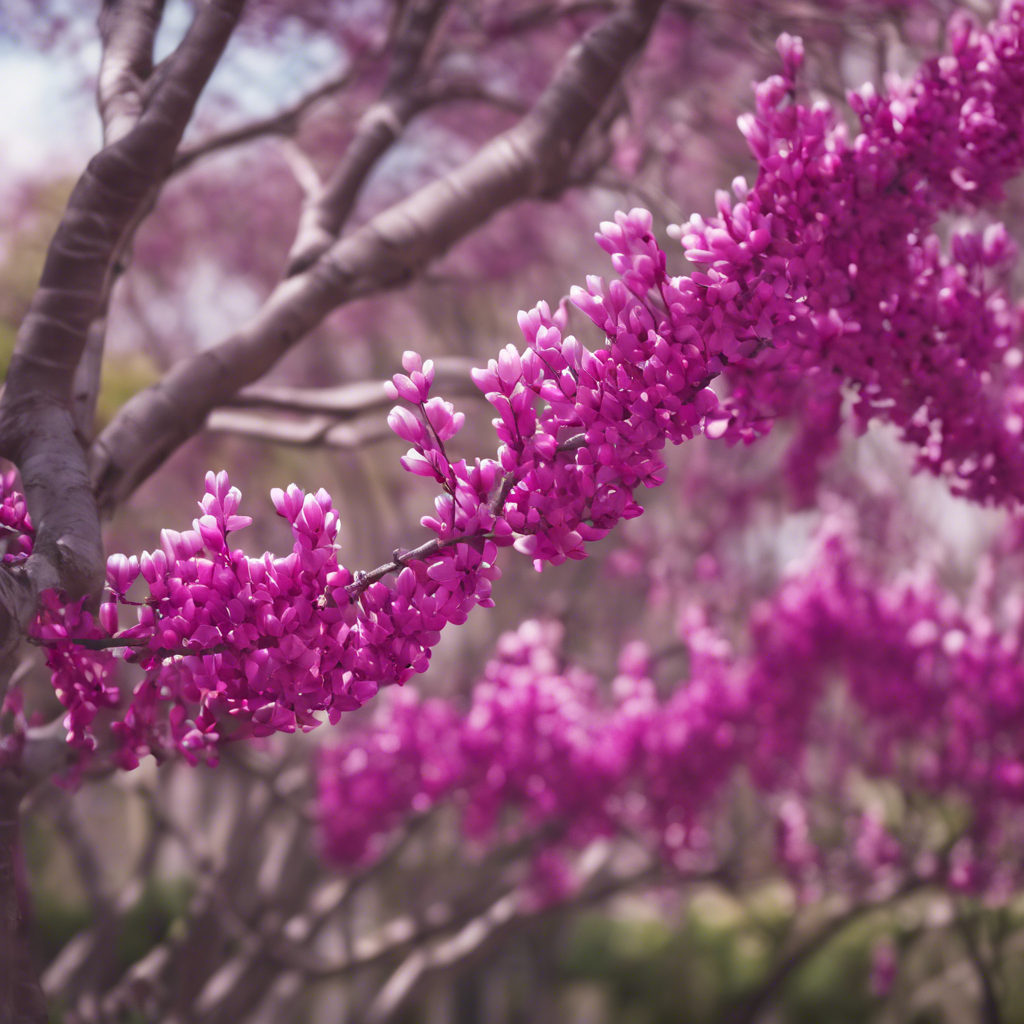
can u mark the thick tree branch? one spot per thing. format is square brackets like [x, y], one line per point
[21, 998]
[527, 160]
[37, 429]
[127, 28]
[37, 426]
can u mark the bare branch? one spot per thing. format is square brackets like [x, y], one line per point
[284, 122]
[527, 160]
[452, 373]
[460, 91]
[314, 431]
[321, 219]
[504, 914]
[302, 168]
[424, 960]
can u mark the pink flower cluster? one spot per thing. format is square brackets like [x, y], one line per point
[579, 429]
[83, 680]
[935, 703]
[533, 738]
[272, 644]
[832, 257]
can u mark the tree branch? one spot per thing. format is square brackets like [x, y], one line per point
[309, 432]
[347, 417]
[285, 122]
[524, 161]
[321, 219]
[21, 998]
[37, 427]
[127, 30]
[451, 373]
[503, 915]
[37, 431]
[991, 1010]
[542, 15]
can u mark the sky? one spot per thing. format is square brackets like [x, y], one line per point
[48, 119]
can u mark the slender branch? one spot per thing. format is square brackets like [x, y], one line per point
[285, 122]
[175, 970]
[302, 168]
[81, 956]
[452, 373]
[401, 934]
[524, 161]
[134, 643]
[503, 915]
[459, 91]
[313, 430]
[360, 407]
[749, 1011]
[991, 1011]
[322, 218]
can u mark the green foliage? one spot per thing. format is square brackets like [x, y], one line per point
[709, 966]
[7, 336]
[124, 374]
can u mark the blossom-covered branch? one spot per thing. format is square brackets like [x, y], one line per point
[277, 641]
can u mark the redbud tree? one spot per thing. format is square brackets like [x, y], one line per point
[848, 722]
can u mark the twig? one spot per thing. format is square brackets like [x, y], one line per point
[751, 1008]
[991, 1012]
[285, 122]
[325, 213]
